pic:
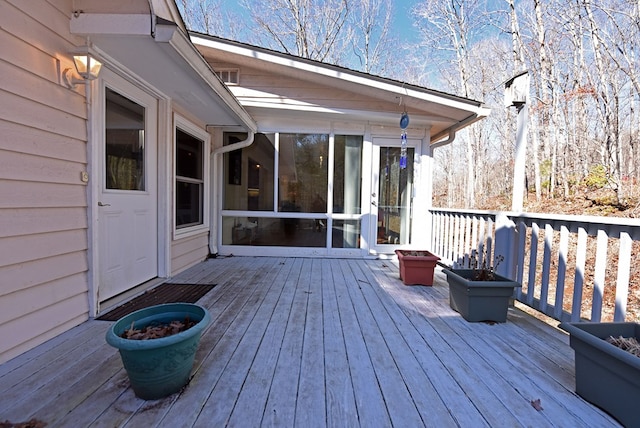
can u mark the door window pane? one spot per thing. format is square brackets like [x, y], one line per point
[395, 190]
[124, 145]
[189, 180]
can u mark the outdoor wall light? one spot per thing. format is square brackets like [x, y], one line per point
[87, 67]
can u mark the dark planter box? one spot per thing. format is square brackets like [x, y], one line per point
[606, 375]
[479, 300]
[417, 267]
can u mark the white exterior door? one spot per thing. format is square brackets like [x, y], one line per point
[128, 195]
[392, 195]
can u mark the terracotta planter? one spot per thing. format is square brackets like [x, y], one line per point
[606, 375]
[479, 300]
[159, 367]
[416, 267]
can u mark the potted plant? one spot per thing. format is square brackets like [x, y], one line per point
[416, 267]
[607, 374]
[158, 367]
[479, 293]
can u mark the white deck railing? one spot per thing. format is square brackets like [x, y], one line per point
[570, 267]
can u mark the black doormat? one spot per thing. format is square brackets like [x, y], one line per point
[164, 293]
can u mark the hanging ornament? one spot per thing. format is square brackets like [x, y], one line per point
[404, 123]
[404, 120]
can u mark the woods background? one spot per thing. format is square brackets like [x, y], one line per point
[582, 56]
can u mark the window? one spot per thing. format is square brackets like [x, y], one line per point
[249, 173]
[303, 170]
[229, 76]
[124, 155]
[190, 174]
[293, 190]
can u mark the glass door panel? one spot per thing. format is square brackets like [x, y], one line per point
[392, 197]
[125, 123]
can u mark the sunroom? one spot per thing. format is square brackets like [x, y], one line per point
[332, 170]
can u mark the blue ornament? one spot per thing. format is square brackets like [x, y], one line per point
[404, 120]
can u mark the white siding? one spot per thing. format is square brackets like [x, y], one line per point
[43, 220]
[267, 87]
[187, 252]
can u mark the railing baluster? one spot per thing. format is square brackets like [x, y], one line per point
[473, 241]
[578, 282]
[522, 239]
[439, 246]
[468, 244]
[481, 233]
[546, 265]
[563, 250]
[598, 279]
[487, 248]
[533, 257]
[622, 282]
[456, 239]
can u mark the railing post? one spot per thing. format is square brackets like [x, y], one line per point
[505, 246]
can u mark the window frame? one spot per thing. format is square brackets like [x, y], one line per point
[188, 127]
[225, 74]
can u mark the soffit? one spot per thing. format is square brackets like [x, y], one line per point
[426, 108]
[167, 61]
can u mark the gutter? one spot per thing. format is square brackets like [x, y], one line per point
[450, 133]
[214, 230]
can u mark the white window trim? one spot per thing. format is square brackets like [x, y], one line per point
[192, 129]
[229, 71]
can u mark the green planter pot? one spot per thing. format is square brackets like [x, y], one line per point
[159, 367]
[416, 267]
[606, 375]
[479, 300]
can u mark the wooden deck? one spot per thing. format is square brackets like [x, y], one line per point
[315, 342]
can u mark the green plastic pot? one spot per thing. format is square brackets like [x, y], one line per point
[159, 367]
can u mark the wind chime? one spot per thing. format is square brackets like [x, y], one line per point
[404, 123]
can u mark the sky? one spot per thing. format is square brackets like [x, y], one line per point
[402, 24]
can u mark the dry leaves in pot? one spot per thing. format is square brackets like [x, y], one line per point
[157, 331]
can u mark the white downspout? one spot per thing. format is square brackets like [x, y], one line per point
[152, 15]
[452, 136]
[215, 190]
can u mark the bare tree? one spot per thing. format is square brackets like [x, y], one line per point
[370, 25]
[582, 56]
[448, 28]
[202, 15]
[306, 28]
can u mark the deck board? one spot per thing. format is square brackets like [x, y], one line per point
[370, 405]
[315, 342]
[310, 403]
[340, 401]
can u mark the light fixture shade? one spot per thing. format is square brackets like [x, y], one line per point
[87, 66]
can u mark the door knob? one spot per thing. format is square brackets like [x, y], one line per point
[374, 203]
[100, 204]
